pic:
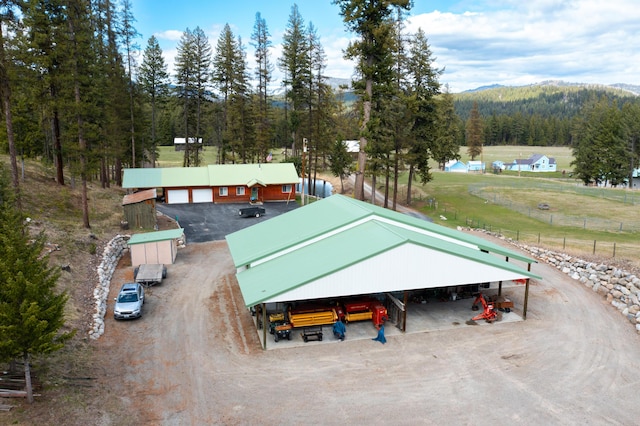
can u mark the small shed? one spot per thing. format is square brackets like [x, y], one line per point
[179, 144]
[475, 166]
[140, 209]
[455, 166]
[155, 247]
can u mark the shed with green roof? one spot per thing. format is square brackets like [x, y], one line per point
[159, 247]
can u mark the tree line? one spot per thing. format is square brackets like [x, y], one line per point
[75, 96]
[536, 115]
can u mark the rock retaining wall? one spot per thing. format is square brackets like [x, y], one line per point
[110, 257]
[619, 287]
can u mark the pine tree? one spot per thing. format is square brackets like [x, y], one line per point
[371, 22]
[192, 75]
[340, 162]
[154, 79]
[474, 133]
[231, 79]
[7, 18]
[43, 41]
[31, 312]
[447, 145]
[263, 73]
[128, 35]
[294, 63]
[423, 88]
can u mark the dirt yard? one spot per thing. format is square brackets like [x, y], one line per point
[194, 359]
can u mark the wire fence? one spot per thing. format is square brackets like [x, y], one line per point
[562, 243]
[541, 214]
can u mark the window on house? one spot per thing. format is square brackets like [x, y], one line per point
[239, 190]
[286, 189]
[223, 191]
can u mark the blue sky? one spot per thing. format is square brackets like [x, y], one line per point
[478, 42]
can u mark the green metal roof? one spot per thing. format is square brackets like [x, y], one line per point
[342, 232]
[243, 174]
[339, 251]
[150, 237]
[213, 175]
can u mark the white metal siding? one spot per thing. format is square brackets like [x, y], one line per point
[177, 196]
[202, 195]
[404, 268]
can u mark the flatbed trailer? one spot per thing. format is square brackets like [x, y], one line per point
[150, 274]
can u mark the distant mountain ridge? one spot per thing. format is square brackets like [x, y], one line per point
[631, 88]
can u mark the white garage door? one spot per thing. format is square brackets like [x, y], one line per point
[177, 196]
[202, 195]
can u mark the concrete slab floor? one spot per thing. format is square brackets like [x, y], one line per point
[421, 318]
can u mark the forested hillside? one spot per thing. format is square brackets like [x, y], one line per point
[539, 114]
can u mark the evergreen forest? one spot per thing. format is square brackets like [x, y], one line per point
[83, 93]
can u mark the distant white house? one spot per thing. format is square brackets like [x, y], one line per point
[180, 143]
[475, 166]
[455, 166]
[535, 163]
[635, 183]
[353, 148]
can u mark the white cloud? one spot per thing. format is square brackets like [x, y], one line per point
[579, 41]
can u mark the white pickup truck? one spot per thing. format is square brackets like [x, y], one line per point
[150, 274]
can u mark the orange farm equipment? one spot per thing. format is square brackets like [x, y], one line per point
[488, 314]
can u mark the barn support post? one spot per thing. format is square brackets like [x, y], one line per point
[526, 294]
[404, 311]
[264, 326]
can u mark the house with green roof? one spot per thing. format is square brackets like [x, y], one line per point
[340, 247]
[219, 183]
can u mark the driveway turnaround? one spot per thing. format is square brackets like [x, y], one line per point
[196, 359]
[203, 222]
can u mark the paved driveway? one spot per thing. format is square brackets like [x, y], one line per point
[204, 222]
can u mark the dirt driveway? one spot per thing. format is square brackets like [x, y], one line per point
[194, 359]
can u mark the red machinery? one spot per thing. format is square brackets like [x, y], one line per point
[365, 309]
[489, 314]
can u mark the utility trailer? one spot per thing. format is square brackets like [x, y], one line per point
[150, 274]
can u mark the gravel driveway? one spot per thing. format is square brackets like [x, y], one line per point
[194, 358]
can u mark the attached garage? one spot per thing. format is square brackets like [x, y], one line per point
[340, 247]
[202, 195]
[159, 247]
[219, 183]
[177, 196]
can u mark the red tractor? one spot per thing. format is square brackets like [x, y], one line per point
[489, 313]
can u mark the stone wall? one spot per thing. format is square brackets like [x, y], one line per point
[110, 258]
[619, 287]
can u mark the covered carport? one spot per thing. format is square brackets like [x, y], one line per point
[341, 247]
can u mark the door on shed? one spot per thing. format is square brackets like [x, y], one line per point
[177, 196]
[202, 195]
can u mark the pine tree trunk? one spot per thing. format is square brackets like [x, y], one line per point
[6, 104]
[362, 156]
[57, 144]
[27, 377]
[409, 185]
